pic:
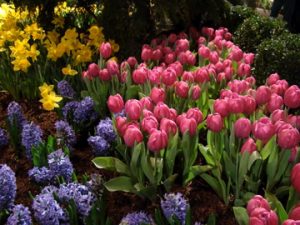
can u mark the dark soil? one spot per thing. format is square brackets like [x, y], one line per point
[202, 199]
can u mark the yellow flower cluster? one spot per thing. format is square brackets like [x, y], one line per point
[49, 98]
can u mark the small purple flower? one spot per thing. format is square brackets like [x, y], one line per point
[3, 138]
[174, 205]
[41, 175]
[60, 165]
[96, 184]
[47, 211]
[137, 218]
[99, 145]
[66, 192]
[31, 137]
[105, 129]
[68, 110]
[85, 111]
[20, 215]
[65, 89]
[15, 115]
[65, 133]
[8, 187]
[50, 189]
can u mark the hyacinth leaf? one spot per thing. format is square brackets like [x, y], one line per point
[212, 219]
[268, 148]
[159, 218]
[170, 154]
[148, 192]
[72, 213]
[121, 183]
[147, 167]
[282, 214]
[188, 217]
[169, 182]
[241, 215]
[112, 164]
[205, 151]
[196, 171]
[51, 144]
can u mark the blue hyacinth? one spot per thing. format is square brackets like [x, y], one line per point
[60, 165]
[8, 187]
[31, 137]
[99, 145]
[174, 205]
[68, 110]
[85, 111]
[65, 134]
[3, 138]
[65, 89]
[41, 175]
[105, 129]
[20, 215]
[15, 115]
[137, 218]
[47, 210]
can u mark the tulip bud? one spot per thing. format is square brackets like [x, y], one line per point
[201, 75]
[221, 107]
[149, 123]
[172, 38]
[161, 110]
[236, 104]
[277, 115]
[295, 213]
[133, 109]
[170, 58]
[249, 104]
[196, 91]
[182, 89]
[272, 79]
[236, 54]
[292, 97]
[214, 122]
[196, 114]
[146, 103]
[257, 201]
[249, 146]
[105, 50]
[156, 54]
[263, 95]
[263, 129]
[214, 57]
[249, 58]
[295, 174]
[157, 141]
[115, 103]
[187, 76]
[93, 70]
[288, 138]
[189, 125]
[121, 124]
[242, 128]
[244, 70]
[261, 216]
[112, 67]
[132, 61]
[169, 76]
[204, 51]
[169, 126]
[132, 135]
[173, 114]
[146, 54]
[157, 95]
[147, 113]
[274, 103]
[182, 45]
[291, 222]
[104, 75]
[139, 76]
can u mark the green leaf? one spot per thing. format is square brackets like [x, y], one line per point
[253, 157]
[206, 154]
[121, 183]
[168, 183]
[171, 153]
[229, 166]
[243, 168]
[195, 171]
[213, 183]
[212, 220]
[147, 167]
[112, 164]
[268, 148]
[135, 161]
[132, 92]
[284, 162]
[241, 215]
[272, 167]
[278, 206]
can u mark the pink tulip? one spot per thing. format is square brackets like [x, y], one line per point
[146, 54]
[201, 75]
[295, 213]
[182, 89]
[242, 128]
[154, 76]
[132, 61]
[188, 125]
[132, 135]
[149, 123]
[251, 80]
[177, 66]
[104, 75]
[214, 57]
[249, 146]
[236, 104]
[157, 95]
[228, 72]
[204, 51]
[105, 50]
[169, 126]
[257, 201]
[139, 76]
[291, 222]
[161, 110]
[288, 138]
[172, 38]
[214, 122]
[115, 103]
[133, 109]
[187, 76]
[112, 67]
[261, 216]
[275, 102]
[147, 113]
[182, 45]
[281, 125]
[221, 107]
[249, 58]
[263, 129]
[277, 115]
[244, 70]
[263, 95]
[196, 114]
[157, 55]
[249, 104]
[170, 58]
[121, 125]
[169, 76]
[236, 54]
[294, 153]
[295, 174]
[146, 103]
[157, 141]
[272, 79]
[196, 91]
[292, 97]
[173, 114]
[93, 70]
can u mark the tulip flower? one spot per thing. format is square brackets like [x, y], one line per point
[133, 109]
[261, 216]
[272, 79]
[105, 50]
[242, 128]
[196, 91]
[157, 141]
[196, 114]
[263, 129]
[149, 123]
[295, 213]
[132, 135]
[169, 126]
[214, 122]
[257, 201]
[139, 76]
[182, 89]
[288, 138]
[146, 103]
[189, 125]
[263, 95]
[249, 146]
[292, 97]
[115, 103]
[295, 174]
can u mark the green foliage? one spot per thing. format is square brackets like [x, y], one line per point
[280, 55]
[255, 30]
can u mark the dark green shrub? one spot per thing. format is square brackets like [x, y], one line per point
[256, 29]
[281, 55]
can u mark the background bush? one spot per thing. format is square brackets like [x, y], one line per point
[280, 54]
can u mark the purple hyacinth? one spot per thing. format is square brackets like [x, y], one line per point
[31, 137]
[8, 187]
[137, 218]
[3, 138]
[96, 184]
[60, 165]
[47, 211]
[41, 175]
[99, 145]
[68, 110]
[105, 129]
[82, 196]
[65, 133]
[85, 112]
[174, 205]
[20, 215]
[50, 189]
[65, 89]
[15, 115]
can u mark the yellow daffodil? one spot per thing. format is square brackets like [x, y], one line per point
[68, 70]
[45, 89]
[50, 101]
[114, 46]
[21, 64]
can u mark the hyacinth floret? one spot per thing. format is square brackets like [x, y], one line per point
[174, 205]
[68, 110]
[31, 137]
[50, 189]
[47, 210]
[41, 175]
[66, 192]
[85, 111]
[99, 145]
[65, 89]
[65, 133]
[105, 129]
[96, 184]
[8, 187]
[60, 165]
[20, 215]
[3, 138]
[15, 114]
[137, 218]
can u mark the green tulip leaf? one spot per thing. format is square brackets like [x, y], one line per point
[241, 215]
[121, 183]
